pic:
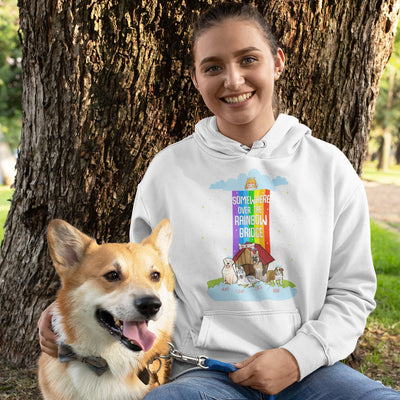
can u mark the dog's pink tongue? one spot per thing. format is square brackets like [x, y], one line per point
[138, 332]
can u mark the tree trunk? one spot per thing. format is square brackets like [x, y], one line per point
[385, 151]
[397, 151]
[106, 86]
[386, 147]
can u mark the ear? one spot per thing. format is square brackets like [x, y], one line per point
[279, 63]
[67, 245]
[193, 76]
[160, 239]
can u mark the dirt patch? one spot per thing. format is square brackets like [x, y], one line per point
[18, 384]
[378, 355]
[383, 202]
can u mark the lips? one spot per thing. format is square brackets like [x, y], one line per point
[237, 99]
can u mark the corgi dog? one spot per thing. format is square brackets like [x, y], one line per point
[113, 314]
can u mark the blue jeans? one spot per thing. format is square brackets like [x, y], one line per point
[338, 382]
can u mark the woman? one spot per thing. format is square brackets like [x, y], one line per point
[271, 245]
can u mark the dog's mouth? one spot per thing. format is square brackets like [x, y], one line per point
[134, 335]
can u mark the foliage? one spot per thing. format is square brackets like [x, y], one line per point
[387, 111]
[10, 72]
[371, 173]
[5, 199]
[383, 116]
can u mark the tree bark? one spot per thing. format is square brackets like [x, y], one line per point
[106, 86]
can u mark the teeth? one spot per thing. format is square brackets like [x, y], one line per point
[117, 322]
[238, 99]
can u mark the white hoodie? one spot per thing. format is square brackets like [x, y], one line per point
[271, 245]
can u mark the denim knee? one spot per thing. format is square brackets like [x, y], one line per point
[173, 391]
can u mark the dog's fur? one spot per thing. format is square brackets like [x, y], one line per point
[275, 275]
[229, 271]
[132, 282]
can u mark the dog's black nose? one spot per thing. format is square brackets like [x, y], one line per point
[148, 305]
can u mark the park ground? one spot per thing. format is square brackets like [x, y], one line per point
[378, 352]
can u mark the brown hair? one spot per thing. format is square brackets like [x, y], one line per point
[231, 10]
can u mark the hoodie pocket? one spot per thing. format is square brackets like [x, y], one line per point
[247, 332]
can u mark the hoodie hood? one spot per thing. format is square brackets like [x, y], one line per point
[281, 140]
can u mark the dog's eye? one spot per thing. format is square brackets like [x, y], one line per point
[155, 276]
[112, 276]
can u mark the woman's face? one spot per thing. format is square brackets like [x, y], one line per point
[234, 71]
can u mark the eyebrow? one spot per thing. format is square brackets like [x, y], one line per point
[236, 54]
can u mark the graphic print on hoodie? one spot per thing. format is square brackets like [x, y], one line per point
[248, 274]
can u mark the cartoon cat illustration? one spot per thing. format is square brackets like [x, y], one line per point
[251, 184]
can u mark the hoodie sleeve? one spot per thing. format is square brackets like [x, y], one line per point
[350, 295]
[140, 226]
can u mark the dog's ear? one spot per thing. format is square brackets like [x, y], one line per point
[161, 239]
[67, 245]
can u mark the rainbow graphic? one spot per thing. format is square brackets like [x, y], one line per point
[250, 212]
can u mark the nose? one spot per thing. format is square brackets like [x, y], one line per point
[233, 78]
[148, 305]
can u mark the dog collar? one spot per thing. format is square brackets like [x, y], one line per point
[97, 364]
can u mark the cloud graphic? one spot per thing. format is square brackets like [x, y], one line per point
[263, 182]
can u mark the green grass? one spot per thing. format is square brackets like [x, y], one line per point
[371, 173]
[5, 198]
[386, 254]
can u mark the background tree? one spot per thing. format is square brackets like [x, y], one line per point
[386, 123]
[10, 73]
[106, 86]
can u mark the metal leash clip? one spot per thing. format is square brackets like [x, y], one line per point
[177, 355]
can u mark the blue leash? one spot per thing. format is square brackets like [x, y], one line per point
[215, 365]
[203, 362]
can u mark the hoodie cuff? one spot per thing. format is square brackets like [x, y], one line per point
[308, 352]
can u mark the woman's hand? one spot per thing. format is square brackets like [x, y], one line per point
[269, 371]
[47, 337]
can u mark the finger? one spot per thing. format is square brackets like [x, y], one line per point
[248, 361]
[47, 341]
[45, 318]
[52, 352]
[241, 376]
[255, 381]
[48, 346]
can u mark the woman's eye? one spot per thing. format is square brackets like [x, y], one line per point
[248, 60]
[112, 276]
[212, 68]
[155, 276]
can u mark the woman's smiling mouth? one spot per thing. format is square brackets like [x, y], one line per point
[237, 99]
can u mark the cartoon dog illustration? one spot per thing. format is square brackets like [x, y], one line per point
[275, 275]
[257, 264]
[241, 276]
[229, 271]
